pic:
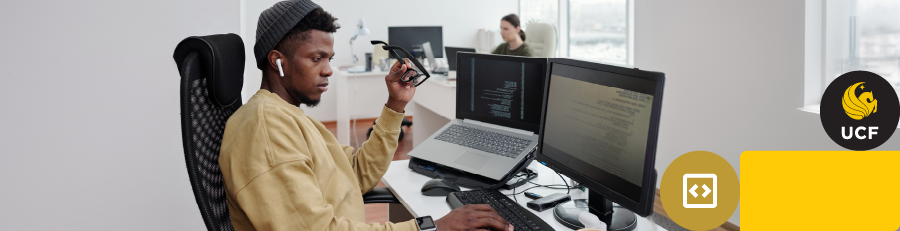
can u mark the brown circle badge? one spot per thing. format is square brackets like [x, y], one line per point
[700, 190]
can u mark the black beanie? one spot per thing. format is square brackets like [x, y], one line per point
[275, 22]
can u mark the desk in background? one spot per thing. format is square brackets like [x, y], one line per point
[369, 84]
[406, 185]
[433, 105]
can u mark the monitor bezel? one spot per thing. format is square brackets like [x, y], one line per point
[644, 207]
[491, 120]
[434, 45]
[453, 67]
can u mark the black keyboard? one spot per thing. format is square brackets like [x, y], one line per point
[512, 212]
[488, 141]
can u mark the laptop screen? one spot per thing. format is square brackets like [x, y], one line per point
[501, 90]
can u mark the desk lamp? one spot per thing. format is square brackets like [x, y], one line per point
[360, 30]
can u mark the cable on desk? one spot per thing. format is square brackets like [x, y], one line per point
[538, 186]
[549, 185]
[568, 189]
[523, 191]
[552, 186]
[514, 190]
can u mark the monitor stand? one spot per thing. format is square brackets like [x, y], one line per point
[616, 218]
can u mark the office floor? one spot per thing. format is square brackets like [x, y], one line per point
[377, 213]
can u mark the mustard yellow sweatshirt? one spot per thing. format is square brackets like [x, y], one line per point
[284, 171]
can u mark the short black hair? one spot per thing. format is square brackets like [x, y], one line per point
[317, 19]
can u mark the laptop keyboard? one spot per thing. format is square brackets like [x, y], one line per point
[488, 141]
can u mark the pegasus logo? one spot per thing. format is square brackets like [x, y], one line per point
[859, 107]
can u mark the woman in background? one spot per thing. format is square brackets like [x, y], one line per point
[513, 36]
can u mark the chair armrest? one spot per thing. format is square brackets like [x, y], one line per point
[380, 195]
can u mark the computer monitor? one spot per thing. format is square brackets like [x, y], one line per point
[599, 127]
[411, 38]
[451, 55]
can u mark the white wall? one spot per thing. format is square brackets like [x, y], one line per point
[90, 126]
[460, 19]
[734, 72]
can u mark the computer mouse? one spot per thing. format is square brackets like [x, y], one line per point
[439, 187]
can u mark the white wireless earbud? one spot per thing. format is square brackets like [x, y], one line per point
[280, 71]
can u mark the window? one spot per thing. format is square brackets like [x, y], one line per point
[598, 30]
[539, 11]
[854, 35]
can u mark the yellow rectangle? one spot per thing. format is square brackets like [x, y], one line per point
[820, 190]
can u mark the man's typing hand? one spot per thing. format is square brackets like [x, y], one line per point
[472, 217]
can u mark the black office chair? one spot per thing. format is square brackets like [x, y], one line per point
[212, 75]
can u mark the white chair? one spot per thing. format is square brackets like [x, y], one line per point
[541, 39]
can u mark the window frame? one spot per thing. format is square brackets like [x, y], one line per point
[564, 32]
[824, 34]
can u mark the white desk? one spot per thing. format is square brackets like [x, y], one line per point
[435, 99]
[407, 185]
[368, 85]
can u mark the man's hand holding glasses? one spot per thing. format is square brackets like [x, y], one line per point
[415, 73]
[400, 92]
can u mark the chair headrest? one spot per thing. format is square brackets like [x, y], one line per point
[540, 32]
[221, 60]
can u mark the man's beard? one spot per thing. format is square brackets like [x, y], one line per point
[305, 99]
[309, 102]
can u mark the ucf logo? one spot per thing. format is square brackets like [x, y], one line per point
[859, 107]
[853, 117]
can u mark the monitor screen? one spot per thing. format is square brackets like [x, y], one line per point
[451, 55]
[411, 38]
[598, 124]
[501, 90]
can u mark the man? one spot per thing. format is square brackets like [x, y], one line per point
[282, 169]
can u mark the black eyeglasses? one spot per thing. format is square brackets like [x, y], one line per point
[414, 78]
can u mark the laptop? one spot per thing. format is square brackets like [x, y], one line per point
[498, 113]
[435, 68]
[451, 59]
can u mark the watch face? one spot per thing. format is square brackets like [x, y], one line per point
[425, 223]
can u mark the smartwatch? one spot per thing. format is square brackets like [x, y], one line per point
[426, 223]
